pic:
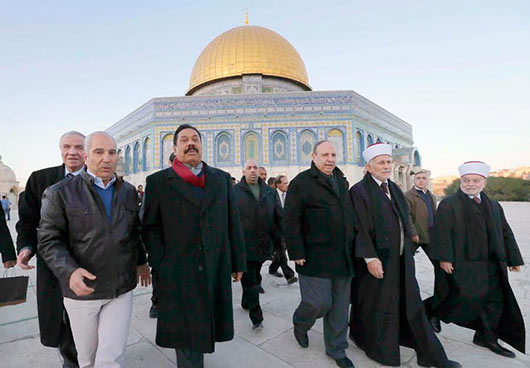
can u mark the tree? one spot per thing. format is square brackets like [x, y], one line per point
[500, 189]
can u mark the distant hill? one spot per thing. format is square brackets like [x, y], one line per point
[501, 189]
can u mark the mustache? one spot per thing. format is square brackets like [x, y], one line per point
[191, 148]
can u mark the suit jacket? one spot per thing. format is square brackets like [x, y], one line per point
[419, 215]
[194, 242]
[6, 243]
[49, 295]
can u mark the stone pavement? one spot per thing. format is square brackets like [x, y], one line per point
[274, 345]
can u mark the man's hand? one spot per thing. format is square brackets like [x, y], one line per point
[375, 268]
[299, 262]
[447, 267]
[416, 239]
[512, 269]
[23, 258]
[9, 264]
[77, 284]
[237, 276]
[143, 274]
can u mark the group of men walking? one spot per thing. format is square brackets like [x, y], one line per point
[198, 233]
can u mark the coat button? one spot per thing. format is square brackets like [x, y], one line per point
[200, 268]
[199, 247]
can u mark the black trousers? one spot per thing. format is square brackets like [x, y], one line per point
[250, 282]
[279, 259]
[154, 282]
[187, 358]
[66, 343]
[491, 314]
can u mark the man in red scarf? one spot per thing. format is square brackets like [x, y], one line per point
[193, 235]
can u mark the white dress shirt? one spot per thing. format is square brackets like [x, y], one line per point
[282, 196]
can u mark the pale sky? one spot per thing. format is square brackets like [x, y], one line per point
[458, 71]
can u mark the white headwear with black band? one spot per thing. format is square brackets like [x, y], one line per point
[474, 167]
[377, 149]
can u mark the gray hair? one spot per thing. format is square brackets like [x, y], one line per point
[71, 132]
[88, 140]
[318, 144]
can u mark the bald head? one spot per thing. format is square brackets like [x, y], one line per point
[325, 157]
[250, 171]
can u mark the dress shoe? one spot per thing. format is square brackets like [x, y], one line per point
[435, 323]
[493, 346]
[153, 311]
[275, 273]
[292, 280]
[258, 325]
[344, 363]
[301, 337]
[244, 306]
[260, 290]
[447, 364]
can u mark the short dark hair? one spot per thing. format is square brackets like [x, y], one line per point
[172, 157]
[181, 128]
[279, 179]
[270, 181]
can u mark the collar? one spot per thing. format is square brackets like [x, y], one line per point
[195, 170]
[421, 190]
[75, 173]
[99, 182]
[280, 193]
[478, 196]
[379, 182]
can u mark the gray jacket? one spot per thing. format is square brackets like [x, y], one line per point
[75, 232]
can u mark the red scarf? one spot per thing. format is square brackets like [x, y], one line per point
[185, 173]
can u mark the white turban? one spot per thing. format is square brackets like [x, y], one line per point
[377, 149]
[474, 167]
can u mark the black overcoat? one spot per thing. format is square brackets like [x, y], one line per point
[7, 250]
[318, 224]
[375, 316]
[194, 245]
[49, 294]
[459, 297]
[260, 220]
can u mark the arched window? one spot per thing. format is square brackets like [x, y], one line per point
[359, 147]
[336, 137]
[148, 154]
[167, 149]
[127, 160]
[223, 152]
[370, 139]
[280, 148]
[305, 143]
[136, 158]
[251, 146]
[120, 167]
[417, 159]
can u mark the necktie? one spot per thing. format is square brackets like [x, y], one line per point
[477, 200]
[385, 187]
[283, 199]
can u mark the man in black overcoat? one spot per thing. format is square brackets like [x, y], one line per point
[318, 225]
[7, 250]
[387, 310]
[193, 236]
[260, 220]
[54, 324]
[475, 247]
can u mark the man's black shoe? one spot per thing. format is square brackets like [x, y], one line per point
[447, 364]
[260, 290]
[258, 325]
[344, 363]
[493, 346]
[153, 311]
[292, 280]
[435, 323]
[301, 337]
[244, 306]
[275, 273]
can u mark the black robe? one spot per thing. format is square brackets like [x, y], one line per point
[389, 312]
[459, 297]
[6, 243]
[194, 241]
[49, 294]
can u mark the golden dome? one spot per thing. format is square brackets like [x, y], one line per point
[248, 50]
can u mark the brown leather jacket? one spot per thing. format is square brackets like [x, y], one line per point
[418, 213]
